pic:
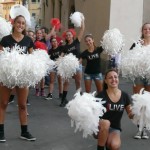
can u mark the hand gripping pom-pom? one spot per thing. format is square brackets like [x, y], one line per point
[135, 63]
[55, 22]
[21, 69]
[67, 65]
[84, 111]
[112, 41]
[76, 18]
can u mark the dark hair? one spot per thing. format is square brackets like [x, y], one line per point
[52, 39]
[24, 31]
[45, 29]
[38, 30]
[90, 36]
[105, 87]
[142, 36]
[31, 31]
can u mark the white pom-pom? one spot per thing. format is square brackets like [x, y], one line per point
[17, 10]
[67, 65]
[76, 18]
[135, 63]
[21, 69]
[5, 28]
[112, 41]
[141, 110]
[85, 111]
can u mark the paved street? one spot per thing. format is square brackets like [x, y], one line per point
[50, 124]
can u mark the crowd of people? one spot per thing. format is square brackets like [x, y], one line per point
[107, 88]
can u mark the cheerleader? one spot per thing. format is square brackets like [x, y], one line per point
[116, 102]
[40, 86]
[141, 82]
[92, 69]
[18, 37]
[72, 46]
[54, 53]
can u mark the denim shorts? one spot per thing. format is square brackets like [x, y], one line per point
[93, 76]
[79, 69]
[53, 70]
[114, 130]
[142, 81]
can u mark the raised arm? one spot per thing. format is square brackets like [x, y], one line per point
[52, 32]
[82, 28]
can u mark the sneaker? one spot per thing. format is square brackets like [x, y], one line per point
[138, 135]
[2, 137]
[27, 136]
[49, 96]
[37, 93]
[28, 104]
[63, 103]
[11, 99]
[144, 134]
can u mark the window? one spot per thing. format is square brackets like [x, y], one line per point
[33, 1]
[33, 15]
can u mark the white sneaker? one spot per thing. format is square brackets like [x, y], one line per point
[144, 134]
[138, 135]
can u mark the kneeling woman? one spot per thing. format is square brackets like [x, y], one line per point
[116, 102]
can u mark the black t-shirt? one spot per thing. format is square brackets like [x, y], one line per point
[93, 60]
[114, 111]
[73, 48]
[9, 41]
[55, 53]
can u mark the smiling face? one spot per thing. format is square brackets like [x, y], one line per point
[89, 41]
[146, 30]
[39, 34]
[112, 79]
[69, 36]
[19, 24]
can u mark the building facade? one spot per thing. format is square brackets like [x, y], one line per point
[34, 9]
[6, 5]
[32, 5]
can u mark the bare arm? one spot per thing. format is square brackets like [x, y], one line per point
[82, 28]
[30, 50]
[52, 32]
[129, 111]
[1, 47]
[80, 60]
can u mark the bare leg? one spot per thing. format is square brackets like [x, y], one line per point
[22, 94]
[87, 84]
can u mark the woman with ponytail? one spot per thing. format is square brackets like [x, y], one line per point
[142, 82]
[72, 46]
[18, 37]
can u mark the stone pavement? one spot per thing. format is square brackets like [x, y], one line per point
[50, 124]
